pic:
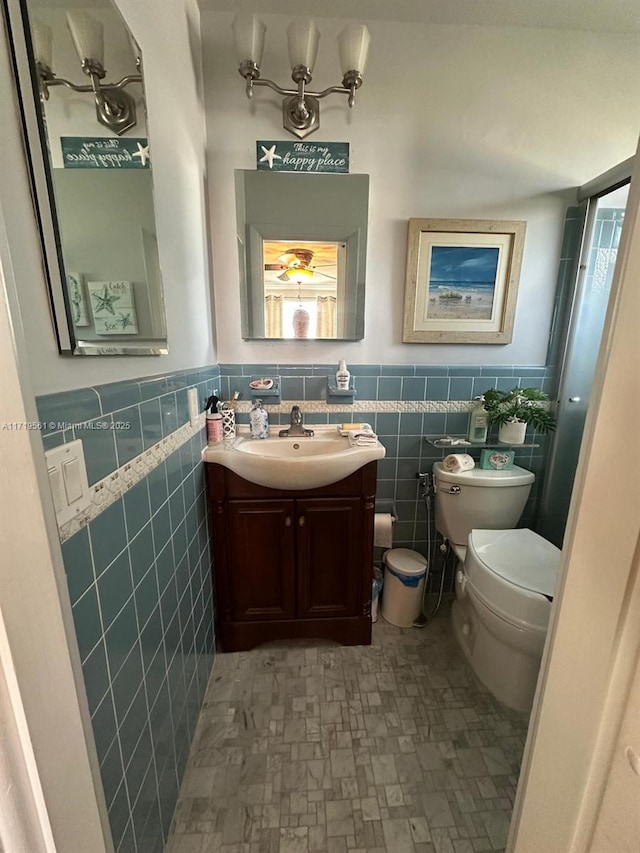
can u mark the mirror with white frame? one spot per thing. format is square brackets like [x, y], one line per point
[79, 77]
[302, 248]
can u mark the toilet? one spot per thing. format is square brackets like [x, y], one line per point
[505, 577]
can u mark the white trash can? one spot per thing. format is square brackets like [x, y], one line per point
[404, 579]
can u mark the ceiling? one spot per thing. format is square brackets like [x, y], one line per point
[605, 16]
[323, 253]
[324, 259]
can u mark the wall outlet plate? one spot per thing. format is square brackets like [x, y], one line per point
[194, 408]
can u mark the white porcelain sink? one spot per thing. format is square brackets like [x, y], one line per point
[293, 463]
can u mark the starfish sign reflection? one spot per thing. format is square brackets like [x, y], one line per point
[105, 302]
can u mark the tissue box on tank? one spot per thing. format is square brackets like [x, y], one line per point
[496, 460]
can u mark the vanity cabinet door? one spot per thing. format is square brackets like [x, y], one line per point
[329, 545]
[261, 560]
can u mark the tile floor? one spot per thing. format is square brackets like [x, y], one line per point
[317, 748]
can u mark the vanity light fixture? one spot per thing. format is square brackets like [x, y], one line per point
[300, 108]
[115, 108]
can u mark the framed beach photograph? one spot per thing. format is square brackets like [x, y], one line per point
[462, 280]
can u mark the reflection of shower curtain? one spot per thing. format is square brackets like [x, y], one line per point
[273, 316]
[326, 324]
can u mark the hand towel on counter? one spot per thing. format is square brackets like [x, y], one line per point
[457, 462]
[362, 438]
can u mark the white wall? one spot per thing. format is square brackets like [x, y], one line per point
[89, 233]
[452, 121]
[40, 666]
[170, 46]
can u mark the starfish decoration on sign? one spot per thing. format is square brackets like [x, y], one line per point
[105, 302]
[126, 320]
[142, 153]
[269, 155]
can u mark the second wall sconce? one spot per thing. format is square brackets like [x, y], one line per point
[115, 108]
[300, 108]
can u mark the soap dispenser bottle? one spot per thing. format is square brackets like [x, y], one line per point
[478, 423]
[342, 377]
[258, 421]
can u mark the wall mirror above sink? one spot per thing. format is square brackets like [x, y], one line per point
[81, 91]
[302, 249]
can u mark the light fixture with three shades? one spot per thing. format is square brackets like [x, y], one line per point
[300, 108]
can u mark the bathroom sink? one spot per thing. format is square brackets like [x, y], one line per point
[292, 448]
[293, 463]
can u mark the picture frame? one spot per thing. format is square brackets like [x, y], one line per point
[113, 307]
[77, 299]
[462, 280]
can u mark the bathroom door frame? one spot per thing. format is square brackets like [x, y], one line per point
[55, 800]
[594, 637]
[52, 793]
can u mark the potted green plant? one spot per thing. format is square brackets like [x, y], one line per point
[514, 410]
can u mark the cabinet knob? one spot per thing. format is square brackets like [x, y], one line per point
[287, 521]
[301, 521]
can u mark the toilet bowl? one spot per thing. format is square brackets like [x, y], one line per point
[505, 578]
[504, 588]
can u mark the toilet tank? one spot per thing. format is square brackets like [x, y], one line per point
[479, 500]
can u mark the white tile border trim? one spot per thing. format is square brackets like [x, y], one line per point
[118, 482]
[112, 487]
[311, 407]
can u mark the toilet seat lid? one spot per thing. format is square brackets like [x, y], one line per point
[520, 557]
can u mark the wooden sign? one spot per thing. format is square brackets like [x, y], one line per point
[80, 152]
[113, 307]
[288, 156]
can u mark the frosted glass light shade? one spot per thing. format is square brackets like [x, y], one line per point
[42, 43]
[303, 37]
[248, 33]
[353, 46]
[86, 34]
[299, 274]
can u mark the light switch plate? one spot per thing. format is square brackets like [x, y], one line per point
[194, 409]
[68, 480]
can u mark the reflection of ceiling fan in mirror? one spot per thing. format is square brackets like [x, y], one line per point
[296, 266]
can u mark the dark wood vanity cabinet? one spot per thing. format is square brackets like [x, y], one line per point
[291, 564]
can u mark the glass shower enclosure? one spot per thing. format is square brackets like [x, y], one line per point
[579, 352]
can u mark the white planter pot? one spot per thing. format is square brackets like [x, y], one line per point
[512, 433]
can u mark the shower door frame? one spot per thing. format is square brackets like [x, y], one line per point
[587, 197]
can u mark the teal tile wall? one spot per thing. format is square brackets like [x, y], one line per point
[402, 434]
[567, 275]
[139, 574]
[386, 381]
[139, 578]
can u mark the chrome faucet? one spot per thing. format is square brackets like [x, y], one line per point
[295, 425]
